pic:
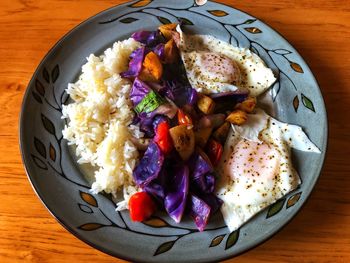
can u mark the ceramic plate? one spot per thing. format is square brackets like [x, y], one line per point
[60, 182]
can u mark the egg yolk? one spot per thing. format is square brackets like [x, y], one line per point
[254, 161]
[218, 67]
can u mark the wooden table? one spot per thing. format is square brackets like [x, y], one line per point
[320, 30]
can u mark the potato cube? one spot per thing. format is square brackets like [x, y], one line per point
[247, 105]
[237, 117]
[205, 104]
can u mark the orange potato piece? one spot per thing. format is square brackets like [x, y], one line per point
[167, 29]
[237, 117]
[152, 66]
[247, 105]
[171, 52]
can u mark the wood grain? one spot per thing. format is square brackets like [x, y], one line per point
[320, 30]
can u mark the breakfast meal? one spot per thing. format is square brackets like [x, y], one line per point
[170, 121]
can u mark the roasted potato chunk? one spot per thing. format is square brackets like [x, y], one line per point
[205, 104]
[202, 135]
[237, 117]
[167, 30]
[220, 133]
[247, 105]
[152, 68]
[184, 140]
[171, 53]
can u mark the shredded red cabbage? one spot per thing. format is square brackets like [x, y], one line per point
[138, 91]
[199, 211]
[149, 166]
[175, 200]
[149, 38]
[135, 64]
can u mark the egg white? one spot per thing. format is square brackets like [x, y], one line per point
[249, 192]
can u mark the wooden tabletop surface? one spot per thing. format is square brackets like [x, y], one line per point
[320, 30]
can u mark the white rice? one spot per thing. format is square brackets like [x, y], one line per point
[100, 120]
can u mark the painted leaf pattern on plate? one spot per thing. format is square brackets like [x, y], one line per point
[46, 75]
[293, 199]
[88, 198]
[296, 103]
[163, 20]
[48, 125]
[216, 240]
[307, 102]
[128, 20]
[40, 147]
[39, 163]
[296, 67]
[253, 30]
[232, 239]
[90, 226]
[39, 87]
[55, 73]
[185, 21]
[37, 97]
[52, 152]
[155, 222]
[218, 13]
[85, 208]
[275, 208]
[164, 247]
[140, 3]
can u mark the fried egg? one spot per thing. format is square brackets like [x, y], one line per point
[213, 66]
[256, 168]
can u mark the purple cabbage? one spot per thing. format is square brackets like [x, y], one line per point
[226, 101]
[175, 200]
[149, 166]
[138, 91]
[202, 177]
[135, 64]
[205, 183]
[199, 211]
[159, 51]
[148, 121]
[213, 201]
[148, 38]
[180, 94]
[158, 187]
[200, 164]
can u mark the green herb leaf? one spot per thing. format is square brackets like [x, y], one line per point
[149, 103]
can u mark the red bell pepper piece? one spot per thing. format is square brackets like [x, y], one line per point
[141, 206]
[214, 151]
[162, 137]
[183, 118]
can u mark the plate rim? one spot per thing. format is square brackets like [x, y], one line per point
[115, 253]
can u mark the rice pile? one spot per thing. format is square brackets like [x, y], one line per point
[100, 120]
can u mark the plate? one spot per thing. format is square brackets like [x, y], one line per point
[61, 185]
